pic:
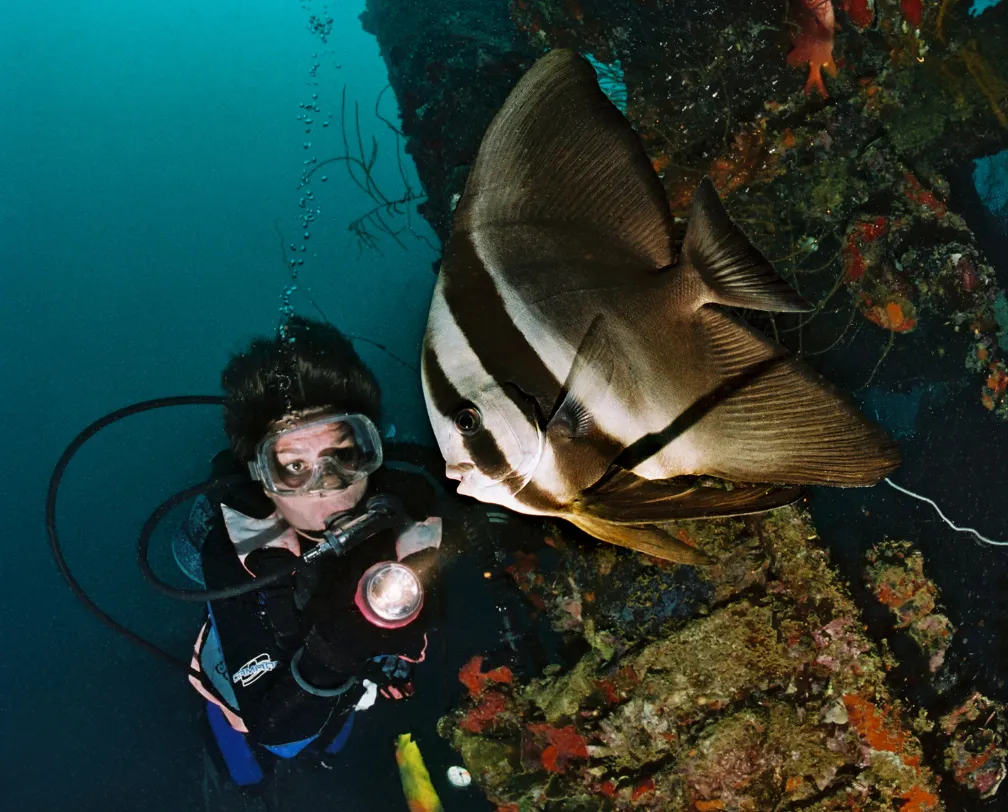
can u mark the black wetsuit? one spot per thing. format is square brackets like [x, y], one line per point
[314, 611]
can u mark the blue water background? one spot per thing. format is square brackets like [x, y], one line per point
[146, 151]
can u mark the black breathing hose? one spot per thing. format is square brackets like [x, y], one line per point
[381, 512]
[50, 513]
[195, 595]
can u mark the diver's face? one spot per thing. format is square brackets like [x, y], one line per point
[299, 452]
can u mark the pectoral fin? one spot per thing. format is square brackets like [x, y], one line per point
[622, 498]
[649, 540]
[587, 383]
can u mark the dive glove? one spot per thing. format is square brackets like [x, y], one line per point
[391, 674]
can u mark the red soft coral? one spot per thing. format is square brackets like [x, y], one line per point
[475, 679]
[859, 12]
[564, 744]
[486, 714]
[813, 43]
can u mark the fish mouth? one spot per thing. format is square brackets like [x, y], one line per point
[470, 485]
[468, 477]
[459, 472]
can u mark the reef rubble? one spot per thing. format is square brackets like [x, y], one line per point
[748, 685]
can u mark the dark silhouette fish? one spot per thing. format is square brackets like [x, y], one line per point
[571, 369]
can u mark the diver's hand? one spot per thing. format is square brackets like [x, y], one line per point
[322, 664]
[391, 674]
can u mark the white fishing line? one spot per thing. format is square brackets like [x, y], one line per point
[945, 518]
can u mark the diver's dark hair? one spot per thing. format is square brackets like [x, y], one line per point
[315, 366]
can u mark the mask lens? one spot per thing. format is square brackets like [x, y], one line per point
[329, 453]
[331, 476]
[292, 474]
[350, 458]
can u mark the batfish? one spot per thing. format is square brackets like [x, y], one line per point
[581, 359]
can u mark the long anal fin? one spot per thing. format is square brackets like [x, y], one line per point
[642, 538]
[622, 497]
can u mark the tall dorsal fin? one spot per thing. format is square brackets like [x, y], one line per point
[560, 158]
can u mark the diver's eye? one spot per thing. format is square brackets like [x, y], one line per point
[468, 420]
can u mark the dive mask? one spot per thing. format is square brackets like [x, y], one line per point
[317, 454]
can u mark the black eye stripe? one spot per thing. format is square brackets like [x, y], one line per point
[484, 451]
[482, 447]
[476, 305]
[445, 397]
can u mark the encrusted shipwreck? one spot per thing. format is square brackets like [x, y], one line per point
[748, 685]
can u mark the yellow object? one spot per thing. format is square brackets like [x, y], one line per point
[416, 783]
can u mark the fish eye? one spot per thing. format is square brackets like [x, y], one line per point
[468, 420]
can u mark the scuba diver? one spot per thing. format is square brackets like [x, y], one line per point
[321, 559]
[286, 666]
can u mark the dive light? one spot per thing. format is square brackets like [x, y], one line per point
[390, 595]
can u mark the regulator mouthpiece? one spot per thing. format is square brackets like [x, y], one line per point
[344, 531]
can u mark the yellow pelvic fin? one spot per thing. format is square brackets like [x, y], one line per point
[643, 538]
